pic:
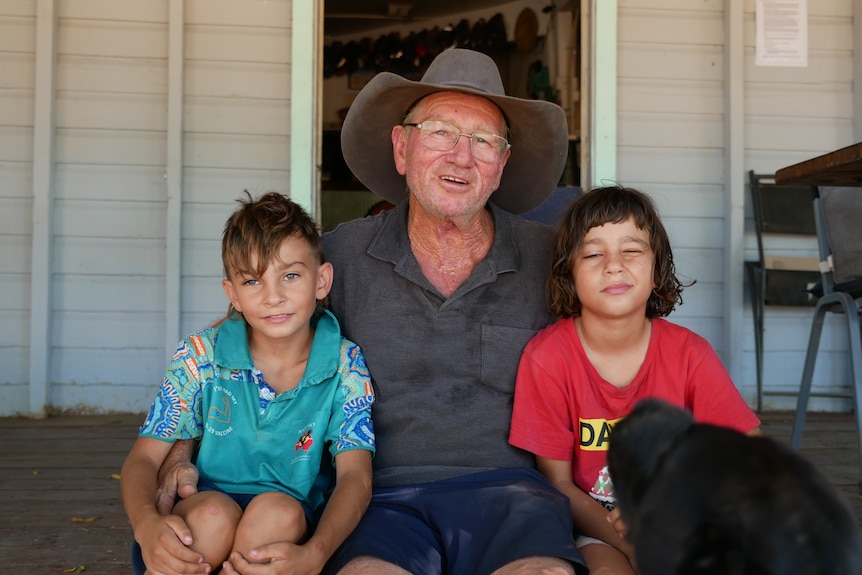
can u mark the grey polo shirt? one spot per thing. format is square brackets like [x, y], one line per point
[443, 368]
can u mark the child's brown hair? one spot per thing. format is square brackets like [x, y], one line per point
[599, 206]
[259, 227]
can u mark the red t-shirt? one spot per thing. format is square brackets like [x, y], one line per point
[565, 410]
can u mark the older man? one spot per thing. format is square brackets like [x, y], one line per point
[442, 293]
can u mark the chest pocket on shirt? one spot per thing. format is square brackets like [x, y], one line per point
[501, 353]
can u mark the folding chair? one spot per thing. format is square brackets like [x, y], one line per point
[838, 213]
[776, 278]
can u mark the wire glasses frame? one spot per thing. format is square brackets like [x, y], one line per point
[443, 137]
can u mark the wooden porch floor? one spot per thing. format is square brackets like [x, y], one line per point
[61, 503]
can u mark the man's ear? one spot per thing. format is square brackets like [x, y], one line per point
[399, 148]
[324, 280]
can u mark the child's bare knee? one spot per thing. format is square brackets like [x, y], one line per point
[212, 518]
[270, 517]
[210, 507]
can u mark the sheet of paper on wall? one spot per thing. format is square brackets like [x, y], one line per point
[782, 33]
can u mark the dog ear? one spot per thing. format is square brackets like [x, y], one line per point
[637, 446]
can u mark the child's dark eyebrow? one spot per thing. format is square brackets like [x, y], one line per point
[626, 239]
[590, 243]
[285, 265]
[636, 240]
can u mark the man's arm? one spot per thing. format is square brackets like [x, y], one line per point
[177, 476]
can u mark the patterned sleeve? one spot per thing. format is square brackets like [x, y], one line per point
[176, 412]
[355, 428]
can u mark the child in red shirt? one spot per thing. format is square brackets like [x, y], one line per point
[611, 281]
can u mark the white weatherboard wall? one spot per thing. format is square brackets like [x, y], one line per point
[93, 243]
[108, 266]
[18, 62]
[112, 234]
[793, 114]
[671, 122]
[236, 132]
[670, 144]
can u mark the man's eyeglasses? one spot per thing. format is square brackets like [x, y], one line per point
[442, 137]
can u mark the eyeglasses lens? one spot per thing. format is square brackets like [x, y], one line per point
[442, 137]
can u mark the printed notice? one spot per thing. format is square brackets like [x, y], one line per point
[782, 33]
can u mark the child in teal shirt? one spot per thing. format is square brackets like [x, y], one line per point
[267, 391]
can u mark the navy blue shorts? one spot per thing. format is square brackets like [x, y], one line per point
[470, 525]
[241, 499]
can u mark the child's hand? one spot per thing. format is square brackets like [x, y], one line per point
[276, 559]
[615, 518]
[164, 541]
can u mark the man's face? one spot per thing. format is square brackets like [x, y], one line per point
[450, 184]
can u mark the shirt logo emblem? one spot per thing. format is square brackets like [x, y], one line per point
[595, 433]
[305, 442]
[220, 414]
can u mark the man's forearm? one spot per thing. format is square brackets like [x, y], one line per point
[181, 453]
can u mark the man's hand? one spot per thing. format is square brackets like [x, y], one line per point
[177, 476]
[276, 559]
[164, 544]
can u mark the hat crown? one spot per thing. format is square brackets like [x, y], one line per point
[465, 69]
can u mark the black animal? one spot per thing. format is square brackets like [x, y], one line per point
[699, 499]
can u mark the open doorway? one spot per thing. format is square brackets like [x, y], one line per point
[536, 44]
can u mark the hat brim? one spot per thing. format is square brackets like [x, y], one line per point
[538, 135]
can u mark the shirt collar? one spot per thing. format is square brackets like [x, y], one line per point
[231, 346]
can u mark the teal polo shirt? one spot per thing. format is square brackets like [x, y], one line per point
[251, 440]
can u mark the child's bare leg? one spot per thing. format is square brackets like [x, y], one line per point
[212, 518]
[269, 518]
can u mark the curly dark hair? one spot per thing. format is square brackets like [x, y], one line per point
[596, 207]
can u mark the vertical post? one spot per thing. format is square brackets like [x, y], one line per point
[174, 175]
[305, 94]
[734, 177]
[41, 257]
[857, 70]
[585, 89]
[603, 100]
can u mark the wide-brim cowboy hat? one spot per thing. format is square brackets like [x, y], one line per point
[538, 130]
